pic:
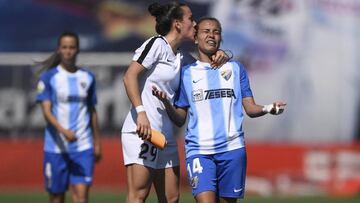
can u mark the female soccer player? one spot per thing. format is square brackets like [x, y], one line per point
[72, 144]
[156, 62]
[214, 140]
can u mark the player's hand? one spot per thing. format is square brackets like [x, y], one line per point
[69, 135]
[277, 108]
[97, 152]
[219, 59]
[143, 126]
[162, 96]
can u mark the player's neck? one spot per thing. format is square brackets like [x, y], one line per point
[174, 41]
[204, 57]
[70, 67]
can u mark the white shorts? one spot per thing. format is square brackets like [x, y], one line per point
[138, 151]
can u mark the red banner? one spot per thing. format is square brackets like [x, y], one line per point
[273, 169]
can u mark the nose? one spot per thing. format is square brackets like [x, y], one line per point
[211, 34]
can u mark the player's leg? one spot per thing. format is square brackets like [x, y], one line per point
[231, 174]
[166, 183]
[79, 193]
[227, 200]
[56, 176]
[81, 175]
[206, 197]
[167, 175]
[201, 171]
[139, 179]
[140, 159]
[57, 198]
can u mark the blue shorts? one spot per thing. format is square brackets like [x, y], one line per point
[224, 173]
[60, 170]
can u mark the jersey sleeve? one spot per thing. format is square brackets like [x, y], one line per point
[187, 59]
[43, 88]
[150, 52]
[92, 99]
[244, 82]
[181, 99]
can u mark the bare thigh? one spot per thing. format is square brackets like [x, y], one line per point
[166, 182]
[139, 179]
[206, 197]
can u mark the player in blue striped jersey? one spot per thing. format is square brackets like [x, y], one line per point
[67, 96]
[213, 101]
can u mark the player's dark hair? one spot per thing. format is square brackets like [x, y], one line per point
[207, 18]
[165, 15]
[55, 59]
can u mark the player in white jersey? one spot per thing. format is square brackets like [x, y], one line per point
[214, 140]
[72, 144]
[156, 62]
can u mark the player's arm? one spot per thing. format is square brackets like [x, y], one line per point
[96, 135]
[176, 114]
[251, 108]
[217, 60]
[254, 110]
[131, 83]
[50, 118]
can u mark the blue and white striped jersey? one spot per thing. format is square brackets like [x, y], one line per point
[71, 95]
[214, 98]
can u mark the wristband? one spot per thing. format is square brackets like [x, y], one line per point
[139, 109]
[267, 108]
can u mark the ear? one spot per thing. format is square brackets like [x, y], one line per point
[177, 24]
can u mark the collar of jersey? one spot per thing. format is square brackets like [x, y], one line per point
[63, 70]
[168, 44]
[204, 65]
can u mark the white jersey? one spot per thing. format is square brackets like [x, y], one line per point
[163, 71]
[214, 98]
[71, 95]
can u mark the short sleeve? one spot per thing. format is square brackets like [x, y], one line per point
[150, 52]
[244, 82]
[181, 99]
[43, 88]
[187, 58]
[92, 99]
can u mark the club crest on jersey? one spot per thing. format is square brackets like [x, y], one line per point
[83, 84]
[40, 87]
[194, 181]
[226, 74]
[197, 95]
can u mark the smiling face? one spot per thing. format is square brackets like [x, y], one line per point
[208, 37]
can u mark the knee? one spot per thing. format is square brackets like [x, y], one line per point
[170, 198]
[174, 198]
[135, 197]
[80, 199]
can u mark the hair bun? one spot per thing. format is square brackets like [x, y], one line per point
[155, 9]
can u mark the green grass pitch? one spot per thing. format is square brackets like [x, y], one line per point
[101, 197]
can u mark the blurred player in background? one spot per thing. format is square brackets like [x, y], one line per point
[156, 62]
[67, 95]
[214, 141]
